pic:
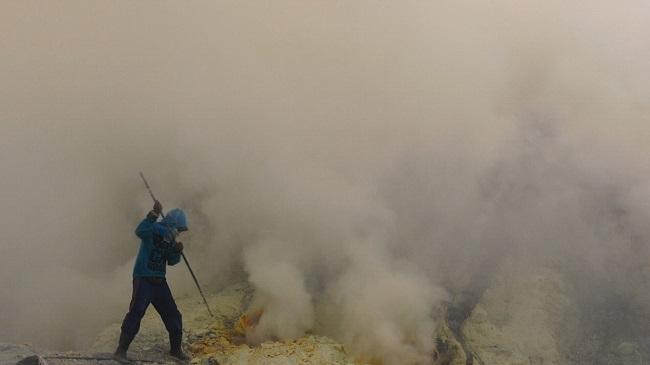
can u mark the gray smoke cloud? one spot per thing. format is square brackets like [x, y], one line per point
[360, 161]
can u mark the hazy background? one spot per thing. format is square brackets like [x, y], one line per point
[375, 157]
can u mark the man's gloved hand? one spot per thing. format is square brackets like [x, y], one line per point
[156, 211]
[179, 246]
[157, 207]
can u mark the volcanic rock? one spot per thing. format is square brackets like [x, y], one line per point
[522, 318]
[219, 340]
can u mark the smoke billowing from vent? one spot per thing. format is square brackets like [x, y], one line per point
[361, 161]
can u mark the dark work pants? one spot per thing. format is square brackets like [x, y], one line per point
[145, 291]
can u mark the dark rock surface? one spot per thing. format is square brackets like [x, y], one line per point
[11, 354]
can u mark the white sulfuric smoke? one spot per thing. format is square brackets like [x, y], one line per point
[361, 161]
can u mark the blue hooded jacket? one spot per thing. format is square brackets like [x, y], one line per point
[157, 248]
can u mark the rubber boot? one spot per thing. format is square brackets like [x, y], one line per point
[120, 353]
[176, 350]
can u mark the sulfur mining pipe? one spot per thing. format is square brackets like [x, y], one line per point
[182, 253]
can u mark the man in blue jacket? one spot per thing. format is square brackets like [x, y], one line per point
[158, 249]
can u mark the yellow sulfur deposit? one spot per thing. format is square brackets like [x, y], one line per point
[221, 339]
[247, 321]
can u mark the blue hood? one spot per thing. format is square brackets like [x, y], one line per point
[175, 218]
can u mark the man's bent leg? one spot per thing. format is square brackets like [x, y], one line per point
[164, 303]
[140, 299]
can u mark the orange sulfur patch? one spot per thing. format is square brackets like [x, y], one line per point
[247, 321]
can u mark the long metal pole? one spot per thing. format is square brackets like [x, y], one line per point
[182, 254]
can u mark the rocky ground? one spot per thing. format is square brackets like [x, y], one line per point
[520, 319]
[219, 339]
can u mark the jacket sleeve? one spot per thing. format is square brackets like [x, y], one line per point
[173, 257]
[145, 228]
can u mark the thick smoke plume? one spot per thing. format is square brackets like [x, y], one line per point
[361, 161]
